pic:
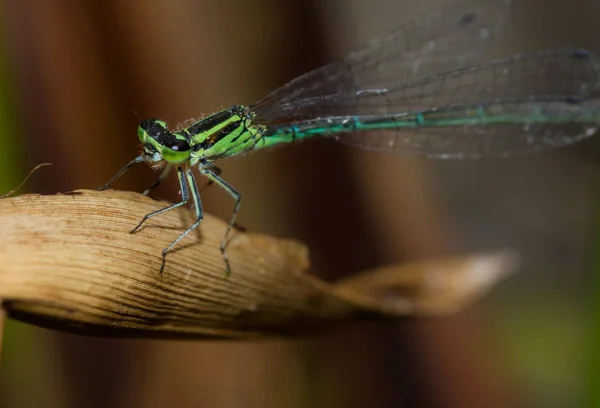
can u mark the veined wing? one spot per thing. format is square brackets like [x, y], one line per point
[499, 128]
[561, 74]
[430, 44]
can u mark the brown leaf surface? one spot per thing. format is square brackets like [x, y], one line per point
[68, 262]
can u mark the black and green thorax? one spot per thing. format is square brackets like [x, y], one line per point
[223, 134]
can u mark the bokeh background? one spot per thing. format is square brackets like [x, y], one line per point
[74, 71]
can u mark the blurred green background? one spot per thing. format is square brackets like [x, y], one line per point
[74, 71]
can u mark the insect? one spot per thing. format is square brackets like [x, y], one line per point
[411, 92]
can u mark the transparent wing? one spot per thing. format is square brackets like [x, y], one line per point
[561, 74]
[430, 44]
[497, 129]
[513, 129]
[518, 105]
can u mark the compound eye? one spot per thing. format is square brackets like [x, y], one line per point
[147, 124]
[179, 146]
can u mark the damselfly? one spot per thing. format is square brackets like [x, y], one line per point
[409, 92]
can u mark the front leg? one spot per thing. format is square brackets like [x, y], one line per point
[184, 199]
[161, 178]
[137, 160]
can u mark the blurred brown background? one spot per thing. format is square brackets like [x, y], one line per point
[74, 71]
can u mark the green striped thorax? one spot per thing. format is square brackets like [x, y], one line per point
[222, 134]
[162, 145]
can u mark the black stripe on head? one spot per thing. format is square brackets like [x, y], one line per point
[157, 131]
[153, 127]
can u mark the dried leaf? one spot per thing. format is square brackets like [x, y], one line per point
[68, 262]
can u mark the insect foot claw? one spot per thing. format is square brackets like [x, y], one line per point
[137, 227]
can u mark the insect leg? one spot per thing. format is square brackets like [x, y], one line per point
[161, 178]
[217, 171]
[137, 160]
[199, 215]
[238, 199]
[184, 199]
